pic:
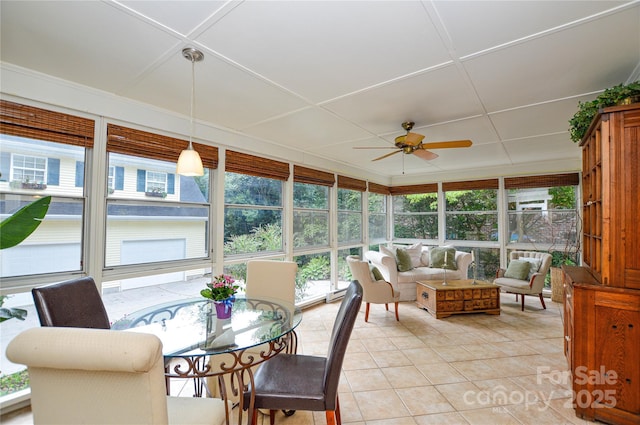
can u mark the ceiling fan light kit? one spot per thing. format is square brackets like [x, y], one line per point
[411, 143]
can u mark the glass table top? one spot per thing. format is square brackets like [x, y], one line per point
[191, 328]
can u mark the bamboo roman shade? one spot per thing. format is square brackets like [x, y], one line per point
[550, 180]
[414, 189]
[351, 183]
[243, 163]
[378, 188]
[36, 123]
[311, 176]
[470, 185]
[134, 142]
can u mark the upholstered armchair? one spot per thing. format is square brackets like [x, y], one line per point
[375, 291]
[522, 280]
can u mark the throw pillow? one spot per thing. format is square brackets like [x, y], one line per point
[534, 267]
[403, 260]
[443, 258]
[376, 273]
[415, 252]
[391, 252]
[518, 269]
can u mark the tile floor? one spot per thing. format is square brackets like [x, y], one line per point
[467, 369]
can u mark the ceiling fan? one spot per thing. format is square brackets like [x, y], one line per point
[411, 143]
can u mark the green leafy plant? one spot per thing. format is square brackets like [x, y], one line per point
[581, 120]
[15, 229]
[18, 226]
[220, 288]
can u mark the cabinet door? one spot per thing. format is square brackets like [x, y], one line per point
[630, 201]
[616, 366]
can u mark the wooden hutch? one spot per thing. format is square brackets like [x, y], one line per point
[602, 298]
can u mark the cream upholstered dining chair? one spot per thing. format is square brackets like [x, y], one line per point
[99, 376]
[265, 279]
[376, 291]
[525, 274]
[272, 279]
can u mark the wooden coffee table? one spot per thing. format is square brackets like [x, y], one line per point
[457, 297]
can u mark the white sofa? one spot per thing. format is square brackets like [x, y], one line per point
[405, 281]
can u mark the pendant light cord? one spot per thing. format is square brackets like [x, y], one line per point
[193, 100]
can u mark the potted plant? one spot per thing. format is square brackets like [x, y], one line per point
[616, 95]
[221, 290]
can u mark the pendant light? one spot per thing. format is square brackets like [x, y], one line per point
[189, 162]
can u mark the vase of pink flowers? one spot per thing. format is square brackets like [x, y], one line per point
[221, 290]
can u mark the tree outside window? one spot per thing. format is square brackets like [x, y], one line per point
[349, 216]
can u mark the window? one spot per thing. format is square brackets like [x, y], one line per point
[378, 213]
[471, 210]
[29, 169]
[252, 214]
[41, 153]
[111, 179]
[156, 182]
[415, 216]
[154, 216]
[310, 215]
[349, 216]
[350, 210]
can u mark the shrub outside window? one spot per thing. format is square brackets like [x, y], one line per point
[252, 214]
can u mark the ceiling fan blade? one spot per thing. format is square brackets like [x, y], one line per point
[413, 139]
[448, 144]
[375, 147]
[387, 155]
[425, 154]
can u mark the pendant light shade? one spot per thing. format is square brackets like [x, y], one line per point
[189, 162]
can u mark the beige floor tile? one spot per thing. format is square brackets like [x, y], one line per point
[515, 348]
[440, 373]
[493, 416]
[381, 404]
[535, 414]
[474, 370]
[394, 421]
[378, 344]
[462, 395]
[565, 408]
[349, 411]
[453, 353]
[366, 380]
[484, 351]
[407, 342]
[451, 418]
[390, 358]
[405, 377]
[423, 355]
[424, 400]
[358, 361]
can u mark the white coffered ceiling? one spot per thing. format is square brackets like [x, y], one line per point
[316, 78]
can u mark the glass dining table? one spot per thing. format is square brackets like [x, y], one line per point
[192, 336]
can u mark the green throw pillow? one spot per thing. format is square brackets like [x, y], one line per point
[518, 269]
[404, 260]
[376, 273]
[437, 256]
